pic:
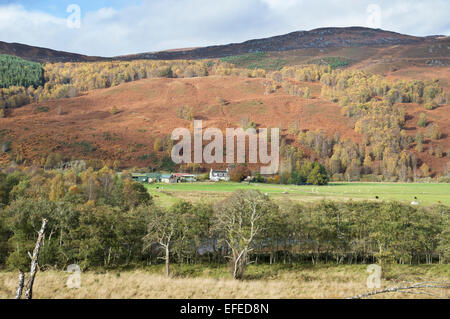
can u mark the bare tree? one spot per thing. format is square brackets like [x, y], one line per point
[161, 230]
[20, 285]
[416, 289]
[239, 220]
[34, 267]
[34, 262]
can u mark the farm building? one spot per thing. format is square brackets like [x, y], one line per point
[137, 177]
[146, 178]
[168, 178]
[185, 178]
[163, 178]
[217, 176]
[154, 177]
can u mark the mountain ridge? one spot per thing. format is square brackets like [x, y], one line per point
[329, 37]
[317, 38]
[40, 54]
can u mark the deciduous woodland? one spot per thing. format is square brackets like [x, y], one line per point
[64, 80]
[103, 220]
[376, 107]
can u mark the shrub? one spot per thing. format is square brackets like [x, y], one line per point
[114, 110]
[222, 101]
[318, 175]
[41, 109]
[246, 124]
[185, 113]
[431, 105]
[158, 145]
[434, 132]
[438, 153]
[419, 147]
[6, 146]
[306, 93]
[444, 179]
[422, 120]
[419, 138]
[64, 91]
[425, 170]
[239, 173]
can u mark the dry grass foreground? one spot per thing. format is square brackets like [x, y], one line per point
[304, 282]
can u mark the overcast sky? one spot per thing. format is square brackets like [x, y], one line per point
[116, 27]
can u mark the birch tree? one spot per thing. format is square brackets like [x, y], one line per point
[162, 230]
[239, 220]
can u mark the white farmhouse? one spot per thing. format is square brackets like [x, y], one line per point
[217, 176]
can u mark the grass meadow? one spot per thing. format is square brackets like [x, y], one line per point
[427, 194]
[197, 281]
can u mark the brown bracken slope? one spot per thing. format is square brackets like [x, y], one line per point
[87, 129]
[148, 109]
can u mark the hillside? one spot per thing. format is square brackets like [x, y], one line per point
[85, 128]
[148, 108]
[351, 98]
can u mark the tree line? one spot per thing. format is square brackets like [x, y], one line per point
[103, 220]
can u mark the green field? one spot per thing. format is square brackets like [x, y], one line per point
[427, 194]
